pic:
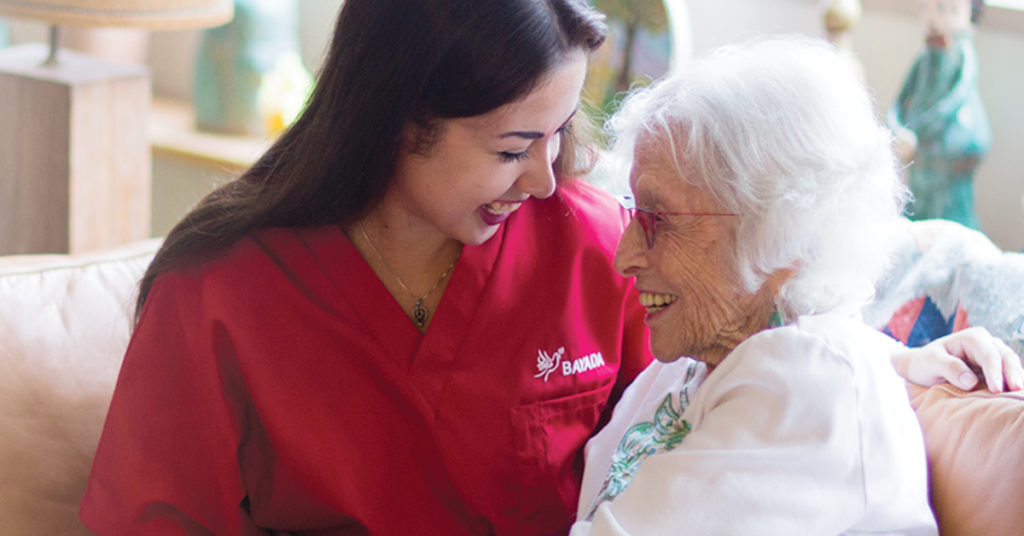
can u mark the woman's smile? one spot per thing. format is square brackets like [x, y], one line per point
[656, 302]
[496, 212]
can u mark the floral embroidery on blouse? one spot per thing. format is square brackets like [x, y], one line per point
[662, 433]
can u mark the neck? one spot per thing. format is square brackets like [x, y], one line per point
[728, 339]
[413, 263]
[405, 245]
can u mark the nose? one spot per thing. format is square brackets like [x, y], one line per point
[539, 180]
[631, 254]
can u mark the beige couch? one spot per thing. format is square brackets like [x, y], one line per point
[64, 325]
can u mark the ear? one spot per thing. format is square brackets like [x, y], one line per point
[780, 276]
[409, 137]
[419, 138]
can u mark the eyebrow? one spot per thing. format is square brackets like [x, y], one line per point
[534, 135]
[649, 198]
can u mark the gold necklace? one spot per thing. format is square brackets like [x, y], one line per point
[419, 311]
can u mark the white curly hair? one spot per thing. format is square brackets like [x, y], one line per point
[783, 132]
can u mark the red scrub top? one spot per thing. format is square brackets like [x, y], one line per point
[282, 388]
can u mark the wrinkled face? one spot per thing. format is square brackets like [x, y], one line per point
[483, 168]
[945, 18]
[696, 305]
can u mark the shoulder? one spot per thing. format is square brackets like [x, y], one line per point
[793, 357]
[256, 248]
[587, 196]
[588, 202]
[786, 345]
[782, 385]
[572, 234]
[817, 356]
[660, 378]
[264, 258]
[833, 337]
[581, 212]
[846, 335]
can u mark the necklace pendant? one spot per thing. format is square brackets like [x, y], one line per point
[419, 313]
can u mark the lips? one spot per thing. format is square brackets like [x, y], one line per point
[655, 302]
[496, 212]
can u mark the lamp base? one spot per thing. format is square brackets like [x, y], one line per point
[75, 162]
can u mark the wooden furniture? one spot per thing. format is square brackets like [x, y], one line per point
[75, 162]
[74, 157]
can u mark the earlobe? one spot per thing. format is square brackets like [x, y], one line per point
[418, 138]
[780, 276]
[781, 315]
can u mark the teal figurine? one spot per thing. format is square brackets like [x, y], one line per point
[940, 118]
[249, 76]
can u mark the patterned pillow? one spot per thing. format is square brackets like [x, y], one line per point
[919, 322]
[946, 277]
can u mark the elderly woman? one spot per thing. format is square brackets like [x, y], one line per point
[763, 186]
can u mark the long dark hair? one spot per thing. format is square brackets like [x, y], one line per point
[391, 63]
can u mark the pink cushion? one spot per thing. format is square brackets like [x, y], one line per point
[975, 444]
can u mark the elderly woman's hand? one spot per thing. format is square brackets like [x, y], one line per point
[952, 358]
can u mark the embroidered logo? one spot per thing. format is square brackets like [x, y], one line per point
[546, 364]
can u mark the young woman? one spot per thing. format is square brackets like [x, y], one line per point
[394, 322]
[402, 319]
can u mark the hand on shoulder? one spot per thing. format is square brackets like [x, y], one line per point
[959, 357]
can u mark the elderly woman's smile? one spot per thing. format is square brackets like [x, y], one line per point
[656, 302]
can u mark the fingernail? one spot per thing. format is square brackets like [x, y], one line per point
[967, 380]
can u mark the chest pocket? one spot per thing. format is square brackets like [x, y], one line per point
[549, 438]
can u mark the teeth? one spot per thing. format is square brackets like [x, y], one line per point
[499, 208]
[650, 300]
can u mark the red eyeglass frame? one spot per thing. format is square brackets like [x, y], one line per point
[647, 219]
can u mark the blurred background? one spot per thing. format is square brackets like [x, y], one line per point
[886, 36]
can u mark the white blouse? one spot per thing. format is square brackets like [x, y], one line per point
[803, 429]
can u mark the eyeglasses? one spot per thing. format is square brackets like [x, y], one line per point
[648, 219]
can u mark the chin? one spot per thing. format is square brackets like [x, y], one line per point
[667, 359]
[481, 236]
[471, 233]
[664, 352]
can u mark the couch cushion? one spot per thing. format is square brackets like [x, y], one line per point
[975, 445]
[64, 325]
[946, 277]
